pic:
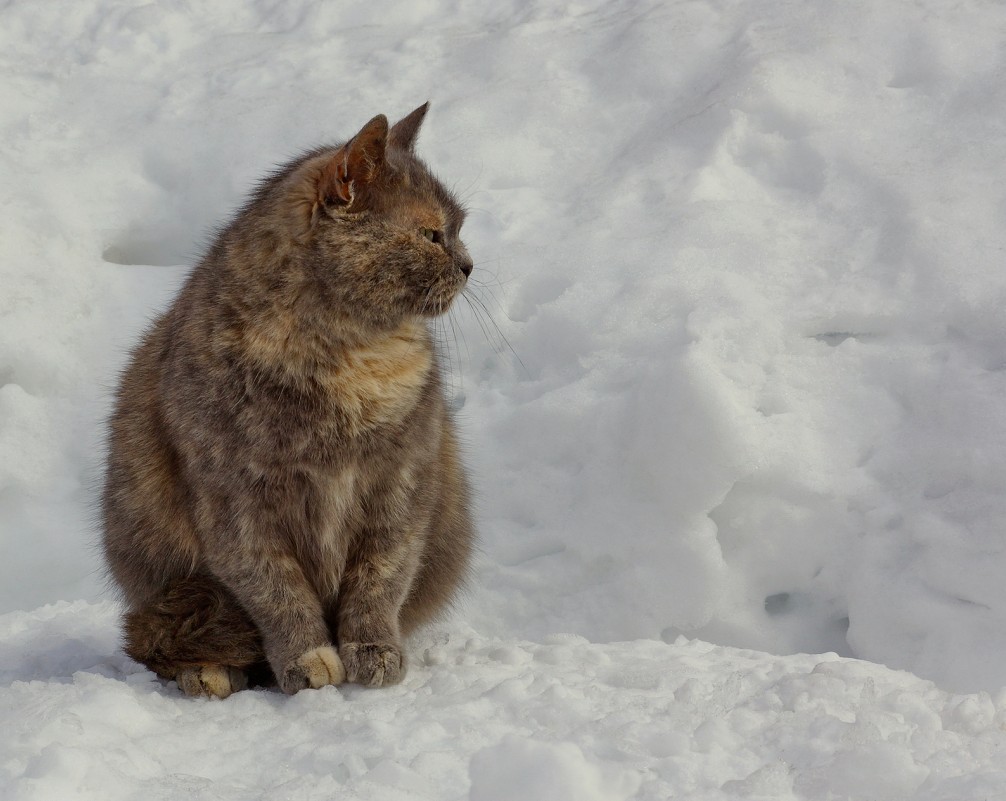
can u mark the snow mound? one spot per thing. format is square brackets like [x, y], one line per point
[489, 719]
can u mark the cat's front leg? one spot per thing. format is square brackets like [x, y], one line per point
[372, 592]
[271, 586]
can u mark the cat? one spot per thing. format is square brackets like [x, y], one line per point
[284, 497]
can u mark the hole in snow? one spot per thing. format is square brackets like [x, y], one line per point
[836, 338]
[778, 604]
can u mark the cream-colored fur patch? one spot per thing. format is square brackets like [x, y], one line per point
[381, 381]
[322, 666]
[213, 681]
[339, 497]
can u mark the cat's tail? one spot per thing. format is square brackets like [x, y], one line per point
[194, 623]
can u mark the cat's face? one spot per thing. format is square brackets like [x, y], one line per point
[385, 234]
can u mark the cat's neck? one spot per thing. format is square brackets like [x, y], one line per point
[305, 343]
[375, 378]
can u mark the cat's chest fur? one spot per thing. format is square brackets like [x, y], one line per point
[370, 391]
[347, 392]
[353, 438]
[377, 383]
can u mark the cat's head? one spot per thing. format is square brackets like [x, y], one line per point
[381, 233]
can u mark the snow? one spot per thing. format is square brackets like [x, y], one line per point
[491, 719]
[746, 391]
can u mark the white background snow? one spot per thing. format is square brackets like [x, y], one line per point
[750, 254]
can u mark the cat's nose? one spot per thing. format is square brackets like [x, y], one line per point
[466, 268]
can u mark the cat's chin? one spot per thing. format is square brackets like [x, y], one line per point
[435, 307]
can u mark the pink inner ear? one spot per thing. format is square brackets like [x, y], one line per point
[356, 163]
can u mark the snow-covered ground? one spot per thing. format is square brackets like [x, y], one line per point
[751, 258]
[490, 719]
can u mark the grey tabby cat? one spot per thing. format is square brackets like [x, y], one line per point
[284, 497]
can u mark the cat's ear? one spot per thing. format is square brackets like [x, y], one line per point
[403, 133]
[356, 163]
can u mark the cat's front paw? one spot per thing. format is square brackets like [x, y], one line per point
[314, 669]
[373, 664]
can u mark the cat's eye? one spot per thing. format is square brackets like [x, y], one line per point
[432, 234]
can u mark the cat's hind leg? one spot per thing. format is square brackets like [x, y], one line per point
[196, 633]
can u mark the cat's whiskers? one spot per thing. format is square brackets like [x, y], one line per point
[422, 311]
[479, 309]
[444, 346]
[476, 283]
[478, 319]
[457, 350]
[426, 300]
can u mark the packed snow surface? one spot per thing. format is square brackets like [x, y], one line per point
[732, 370]
[490, 719]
